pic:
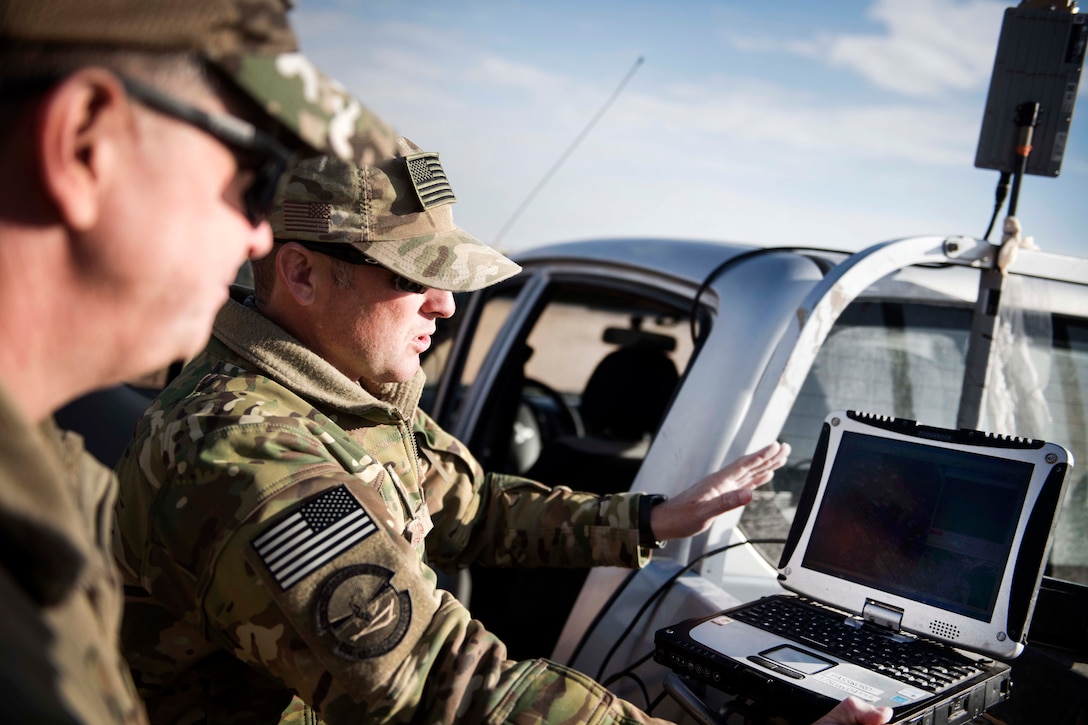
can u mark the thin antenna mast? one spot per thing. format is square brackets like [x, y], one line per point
[566, 154]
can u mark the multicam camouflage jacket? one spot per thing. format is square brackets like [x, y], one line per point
[60, 592]
[280, 519]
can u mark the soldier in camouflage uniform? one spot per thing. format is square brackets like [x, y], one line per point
[283, 499]
[133, 141]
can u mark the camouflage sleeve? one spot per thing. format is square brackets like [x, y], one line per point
[501, 520]
[266, 534]
[307, 577]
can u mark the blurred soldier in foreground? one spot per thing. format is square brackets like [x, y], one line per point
[283, 497]
[137, 167]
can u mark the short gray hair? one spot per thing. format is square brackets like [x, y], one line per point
[264, 274]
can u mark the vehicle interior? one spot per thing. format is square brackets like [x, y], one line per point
[576, 404]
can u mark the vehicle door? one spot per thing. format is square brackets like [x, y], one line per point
[561, 375]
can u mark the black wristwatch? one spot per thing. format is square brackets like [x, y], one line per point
[646, 537]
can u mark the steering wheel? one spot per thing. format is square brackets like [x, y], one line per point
[568, 420]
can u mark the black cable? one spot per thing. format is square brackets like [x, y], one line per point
[657, 701]
[1027, 117]
[717, 271]
[1000, 193]
[637, 680]
[623, 673]
[664, 587]
[600, 615]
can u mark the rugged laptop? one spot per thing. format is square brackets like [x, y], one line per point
[915, 558]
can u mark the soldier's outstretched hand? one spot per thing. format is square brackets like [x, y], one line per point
[692, 511]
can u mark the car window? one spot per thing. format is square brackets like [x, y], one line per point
[571, 337]
[484, 328]
[546, 388]
[1066, 395]
[906, 359]
[576, 402]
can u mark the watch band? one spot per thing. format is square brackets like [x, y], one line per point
[646, 537]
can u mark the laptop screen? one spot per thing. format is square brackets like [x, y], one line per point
[938, 532]
[934, 525]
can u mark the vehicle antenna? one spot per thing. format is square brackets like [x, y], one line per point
[566, 154]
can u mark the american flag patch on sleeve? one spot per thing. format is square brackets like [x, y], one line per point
[313, 536]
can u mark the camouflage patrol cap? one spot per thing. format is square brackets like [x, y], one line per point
[249, 41]
[396, 212]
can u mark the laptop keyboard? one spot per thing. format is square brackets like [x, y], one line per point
[928, 666]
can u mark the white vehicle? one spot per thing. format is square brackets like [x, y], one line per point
[643, 364]
[712, 350]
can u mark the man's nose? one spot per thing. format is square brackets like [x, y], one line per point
[440, 302]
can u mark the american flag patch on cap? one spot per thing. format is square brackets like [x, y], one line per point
[306, 216]
[313, 536]
[428, 178]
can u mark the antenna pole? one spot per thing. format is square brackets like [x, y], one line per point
[976, 364]
[1027, 115]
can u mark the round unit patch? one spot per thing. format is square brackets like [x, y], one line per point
[364, 612]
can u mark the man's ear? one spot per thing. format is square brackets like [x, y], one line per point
[295, 271]
[80, 122]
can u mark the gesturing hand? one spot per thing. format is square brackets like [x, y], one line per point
[692, 511]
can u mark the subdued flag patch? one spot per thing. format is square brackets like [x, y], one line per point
[313, 536]
[429, 179]
[306, 216]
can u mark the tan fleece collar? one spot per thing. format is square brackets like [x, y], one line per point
[277, 354]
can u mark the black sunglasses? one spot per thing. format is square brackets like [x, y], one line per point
[351, 255]
[273, 160]
[245, 139]
[235, 133]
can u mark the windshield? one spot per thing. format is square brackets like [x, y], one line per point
[905, 357]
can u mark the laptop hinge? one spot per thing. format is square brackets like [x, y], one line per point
[884, 616]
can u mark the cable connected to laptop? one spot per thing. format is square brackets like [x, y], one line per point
[661, 590]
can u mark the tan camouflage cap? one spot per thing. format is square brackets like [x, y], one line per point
[250, 41]
[396, 212]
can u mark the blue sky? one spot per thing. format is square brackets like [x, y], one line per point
[778, 123]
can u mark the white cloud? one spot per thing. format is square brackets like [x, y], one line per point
[931, 46]
[794, 157]
[926, 49]
[730, 115]
[770, 129]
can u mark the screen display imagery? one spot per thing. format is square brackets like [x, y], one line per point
[936, 529]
